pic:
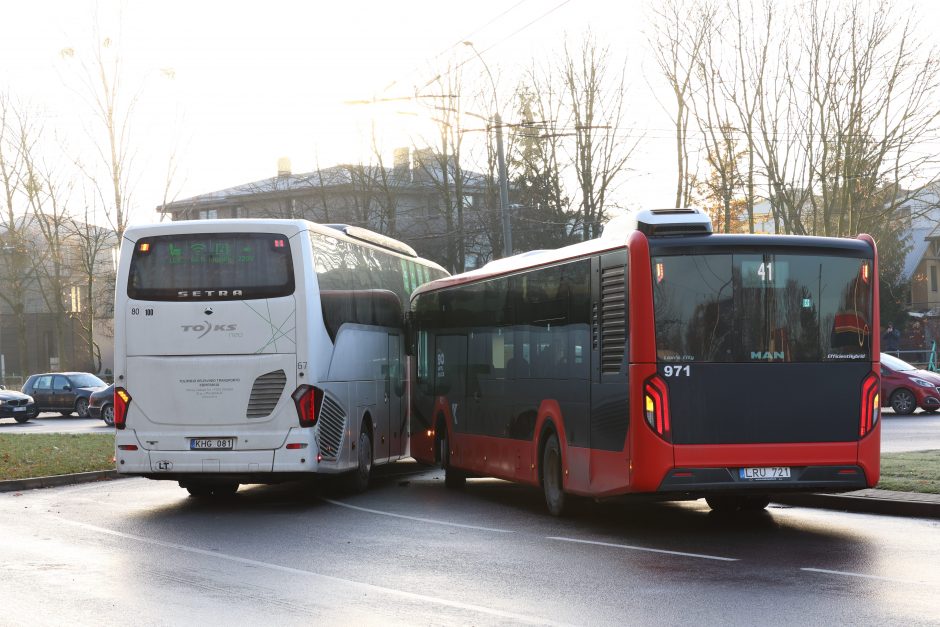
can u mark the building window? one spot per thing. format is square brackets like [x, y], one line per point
[208, 214]
[933, 278]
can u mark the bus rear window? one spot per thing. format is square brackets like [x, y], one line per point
[211, 266]
[773, 307]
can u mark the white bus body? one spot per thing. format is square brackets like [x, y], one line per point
[222, 325]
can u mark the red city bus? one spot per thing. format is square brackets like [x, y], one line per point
[662, 360]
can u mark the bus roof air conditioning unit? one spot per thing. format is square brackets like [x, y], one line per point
[664, 222]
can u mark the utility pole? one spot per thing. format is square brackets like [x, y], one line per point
[500, 160]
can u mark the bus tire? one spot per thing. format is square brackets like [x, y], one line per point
[359, 478]
[453, 478]
[559, 503]
[207, 489]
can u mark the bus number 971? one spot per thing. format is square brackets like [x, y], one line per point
[677, 371]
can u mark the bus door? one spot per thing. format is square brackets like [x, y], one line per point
[394, 398]
[450, 377]
[609, 332]
[488, 412]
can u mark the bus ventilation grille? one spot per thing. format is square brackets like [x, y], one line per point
[613, 319]
[265, 394]
[332, 420]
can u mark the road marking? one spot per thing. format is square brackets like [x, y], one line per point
[876, 577]
[412, 596]
[418, 519]
[646, 549]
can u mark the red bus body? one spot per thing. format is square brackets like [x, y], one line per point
[674, 457]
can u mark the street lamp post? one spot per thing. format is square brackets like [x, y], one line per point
[500, 160]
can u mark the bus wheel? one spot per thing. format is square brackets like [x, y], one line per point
[555, 498]
[453, 478]
[359, 478]
[202, 489]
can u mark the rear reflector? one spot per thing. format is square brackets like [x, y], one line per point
[127, 447]
[122, 400]
[293, 446]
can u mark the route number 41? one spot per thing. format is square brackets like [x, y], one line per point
[677, 371]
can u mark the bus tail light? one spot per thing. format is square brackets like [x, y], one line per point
[122, 400]
[307, 400]
[656, 407]
[871, 404]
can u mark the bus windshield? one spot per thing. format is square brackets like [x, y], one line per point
[762, 308]
[216, 266]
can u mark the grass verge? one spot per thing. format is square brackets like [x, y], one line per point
[45, 454]
[917, 471]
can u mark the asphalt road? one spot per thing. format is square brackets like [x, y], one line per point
[410, 551]
[917, 432]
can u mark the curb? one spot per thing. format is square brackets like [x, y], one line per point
[54, 481]
[871, 501]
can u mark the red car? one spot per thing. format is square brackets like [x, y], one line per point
[904, 388]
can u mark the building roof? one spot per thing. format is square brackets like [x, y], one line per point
[339, 176]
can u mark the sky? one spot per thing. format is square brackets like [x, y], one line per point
[231, 87]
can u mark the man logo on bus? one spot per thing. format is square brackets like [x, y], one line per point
[204, 328]
[768, 355]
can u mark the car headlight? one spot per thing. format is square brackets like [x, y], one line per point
[922, 383]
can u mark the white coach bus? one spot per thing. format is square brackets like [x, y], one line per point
[251, 351]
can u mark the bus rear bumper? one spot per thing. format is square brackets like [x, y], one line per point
[802, 478]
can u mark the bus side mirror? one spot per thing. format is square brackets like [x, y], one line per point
[410, 344]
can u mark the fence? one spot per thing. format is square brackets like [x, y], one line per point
[925, 358]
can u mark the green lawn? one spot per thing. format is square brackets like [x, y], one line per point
[40, 455]
[911, 472]
[43, 454]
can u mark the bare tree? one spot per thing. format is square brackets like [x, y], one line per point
[102, 85]
[47, 192]
[863, 90]
[679, 34]
[18, 266]
[439, 162]
[596, 101]
[91, 264]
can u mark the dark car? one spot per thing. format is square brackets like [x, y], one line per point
[101, 405]
[904, 388]
[64, 392]
[17, 405]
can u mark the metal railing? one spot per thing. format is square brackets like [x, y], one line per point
[925, 358]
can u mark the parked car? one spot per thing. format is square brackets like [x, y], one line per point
[101, 405]
[904, 387]
[17, 405]
[64, 392]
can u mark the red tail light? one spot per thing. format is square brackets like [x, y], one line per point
[871, 404]
[656, 407]
[307, 400]
[122, 400]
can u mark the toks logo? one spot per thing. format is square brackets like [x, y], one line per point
[204, 328]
